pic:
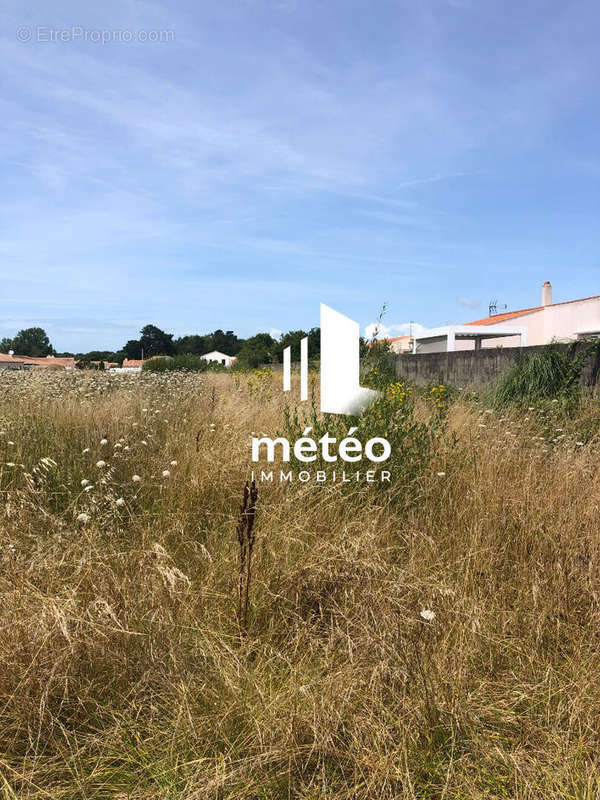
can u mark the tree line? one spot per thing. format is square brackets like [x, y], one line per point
[262, 348]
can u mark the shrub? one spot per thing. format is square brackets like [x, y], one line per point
[187, 362]
[549, 373]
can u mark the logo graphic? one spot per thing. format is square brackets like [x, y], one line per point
[341, 392]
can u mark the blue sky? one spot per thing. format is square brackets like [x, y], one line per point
[273, 154]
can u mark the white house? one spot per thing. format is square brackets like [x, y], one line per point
[549, 322]
[465, 337]
[129, 365]
[219, 358]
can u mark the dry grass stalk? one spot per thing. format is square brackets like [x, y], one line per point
[245, 534]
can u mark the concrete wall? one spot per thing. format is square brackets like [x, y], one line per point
[473, 368]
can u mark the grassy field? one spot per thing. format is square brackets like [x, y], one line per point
[435, 638]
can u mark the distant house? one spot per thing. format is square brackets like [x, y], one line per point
[129, 365]
[561, 322]
[52, 362]
[11, 361]
[107, 364]
[219, 358]
[401, 344]
[566, 321]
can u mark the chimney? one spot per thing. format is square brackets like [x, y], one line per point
[547, 293]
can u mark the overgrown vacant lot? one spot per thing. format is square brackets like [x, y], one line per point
[124, 672]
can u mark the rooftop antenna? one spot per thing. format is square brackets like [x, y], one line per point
[494, 306]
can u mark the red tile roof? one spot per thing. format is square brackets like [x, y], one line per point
[13, 359]
[501, 317]
[386, 339]
[49, 361]
[512, 314]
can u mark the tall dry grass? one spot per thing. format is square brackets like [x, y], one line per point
[122, 672]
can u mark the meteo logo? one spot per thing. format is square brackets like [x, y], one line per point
[341, 393]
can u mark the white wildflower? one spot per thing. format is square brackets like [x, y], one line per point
[166, 473]
[120, 502]
[83, 518]
[579, 444]
[427, 614]
[441, 474]
[86, 450]
[103, 442]
[100, 464]
[173, 463]
[85, 482]
[136, 479]
[88, 488]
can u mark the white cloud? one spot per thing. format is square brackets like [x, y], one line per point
[390, 331]
[275, 332]
[467, 302]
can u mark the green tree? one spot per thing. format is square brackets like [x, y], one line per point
[225, 342]
[32, 342]
[191, 345]
[132, 349]
[257, 350]
[154, 342]
[6, 344]
[292, 339]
